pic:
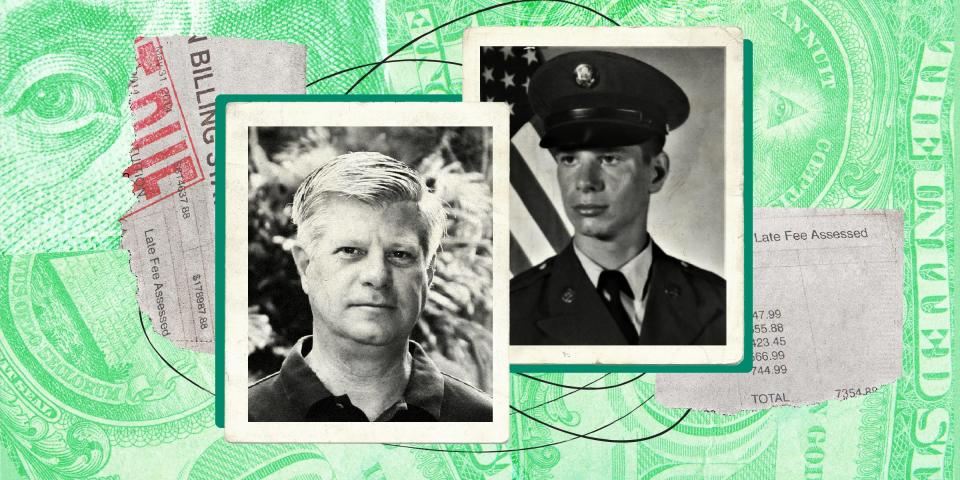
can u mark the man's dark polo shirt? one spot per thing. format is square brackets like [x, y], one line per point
[295, 394]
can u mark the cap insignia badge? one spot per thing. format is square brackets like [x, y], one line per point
[585, 75]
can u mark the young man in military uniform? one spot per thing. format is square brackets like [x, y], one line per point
[605, 120]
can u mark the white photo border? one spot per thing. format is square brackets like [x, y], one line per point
[239, 116]
[731, 40]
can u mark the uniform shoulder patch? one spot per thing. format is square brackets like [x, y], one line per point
[531, 275]
[700, 275]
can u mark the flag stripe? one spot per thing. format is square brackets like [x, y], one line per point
[544, 168]
[528, 235]
[518, 260]
[536, 201]
[537, 225]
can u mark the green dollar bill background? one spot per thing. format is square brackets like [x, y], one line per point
[854, 107]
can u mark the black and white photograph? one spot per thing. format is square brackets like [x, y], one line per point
[626, 180]
[361, 273]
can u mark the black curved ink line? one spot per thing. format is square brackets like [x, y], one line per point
[605, 375]
[334, 74]
[455, 20]
[599, 439]
[144, 327]
[509, 450]
[575, 389]
[531, 377]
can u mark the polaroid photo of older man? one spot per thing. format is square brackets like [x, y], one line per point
[626, 204]
[362, 249]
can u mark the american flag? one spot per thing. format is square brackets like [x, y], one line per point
[538, 227]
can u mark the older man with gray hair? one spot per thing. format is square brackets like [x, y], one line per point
[368, 234]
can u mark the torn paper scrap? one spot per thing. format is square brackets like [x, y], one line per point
[827, 313]
[170, 230]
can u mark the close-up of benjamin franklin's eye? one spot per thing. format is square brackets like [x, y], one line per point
[59, 111]
[62, 102]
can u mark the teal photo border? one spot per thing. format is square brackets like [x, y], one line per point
[220, 234]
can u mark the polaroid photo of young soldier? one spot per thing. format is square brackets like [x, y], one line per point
[362, 250]
[626, 180]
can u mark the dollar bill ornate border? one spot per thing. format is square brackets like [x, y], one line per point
[902, 429]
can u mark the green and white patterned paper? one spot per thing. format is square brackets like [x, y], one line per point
[854, 107]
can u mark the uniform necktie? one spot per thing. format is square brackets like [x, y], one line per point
[611, 284]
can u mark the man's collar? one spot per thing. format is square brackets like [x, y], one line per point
[425, 388]
[303, 388]
[635, 270]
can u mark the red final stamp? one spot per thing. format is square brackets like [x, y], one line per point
[165, 160]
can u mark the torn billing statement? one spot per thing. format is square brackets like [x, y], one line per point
[827, 320]
[170, 230]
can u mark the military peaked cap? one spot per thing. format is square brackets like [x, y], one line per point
[604, 99]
